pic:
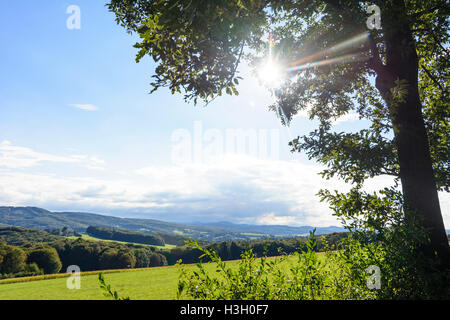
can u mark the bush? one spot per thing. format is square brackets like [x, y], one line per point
[114, 259]
[32, 269]
[157, 260]
[47, 259]
[142, 258]
[308, 278]
[107, 259]
[13, 260]
[126, 259]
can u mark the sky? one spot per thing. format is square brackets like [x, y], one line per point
[79, 131]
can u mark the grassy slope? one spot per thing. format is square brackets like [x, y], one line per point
[158, 283]
[88, 237]
[149, 284]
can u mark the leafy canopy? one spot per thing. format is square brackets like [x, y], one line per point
[330, 57]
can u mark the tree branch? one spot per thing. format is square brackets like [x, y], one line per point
[434, 80]
[421, 13]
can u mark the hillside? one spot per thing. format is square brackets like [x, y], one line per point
[125, 236]
[18, 236]
[278, 230]
[37, 218]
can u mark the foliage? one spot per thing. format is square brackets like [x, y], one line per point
[142, 258]
[65, 232]
[206, 38]
[108, 291]
[17, 236]
[393, 238]
[307, 277]
[232, 250]
[13, 259]
[124, 235]
[46, 258]
[52, 257]
[97, 255]
[32, 269]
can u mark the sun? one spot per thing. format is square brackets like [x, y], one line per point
[270, 73]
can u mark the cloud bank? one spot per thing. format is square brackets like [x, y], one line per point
[235, 188]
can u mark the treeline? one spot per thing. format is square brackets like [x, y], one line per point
[125, 236]
[176, 239]
[232, 250]
[18, 236]
[20, 262]
[64, 232]
[99, 255]
[54, 257]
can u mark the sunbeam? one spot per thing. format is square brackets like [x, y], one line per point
[333, 50]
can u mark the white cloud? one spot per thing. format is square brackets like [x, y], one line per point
[236, 188]
[87, 107]
[272, 219]
[14, 157]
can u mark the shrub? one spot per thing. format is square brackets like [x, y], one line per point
[157, 260]
[47, 259]
[114, 259]
[142, 258]
[13, 260]
[32, 269]
[307, 278]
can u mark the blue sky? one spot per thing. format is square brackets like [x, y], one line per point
[79, 131]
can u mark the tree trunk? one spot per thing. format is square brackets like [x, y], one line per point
[416, 171]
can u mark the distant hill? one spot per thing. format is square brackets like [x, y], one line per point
[37, 218]
[278, 230]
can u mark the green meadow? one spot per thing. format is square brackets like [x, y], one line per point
[158, 283]
[88, 237]
[154, 284]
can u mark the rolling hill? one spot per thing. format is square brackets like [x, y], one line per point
[38, 218]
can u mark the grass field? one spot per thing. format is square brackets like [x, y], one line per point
[88, 237]
[156, 284]
[159, 283]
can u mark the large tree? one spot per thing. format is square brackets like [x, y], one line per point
[47, 259]
[397, 76]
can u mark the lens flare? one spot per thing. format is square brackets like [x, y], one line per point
[270, 73]
[342, 59]
[316, 59]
